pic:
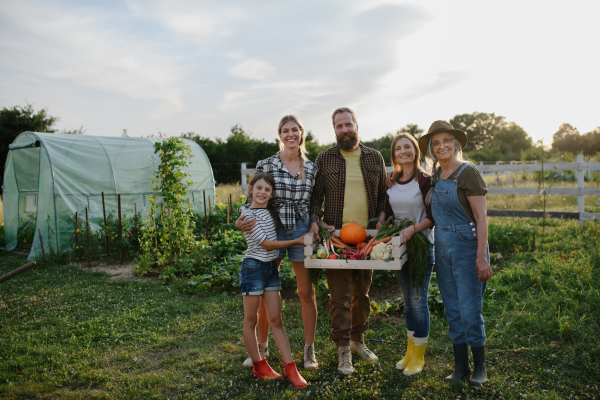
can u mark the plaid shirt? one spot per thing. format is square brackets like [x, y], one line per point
[331, 184]
[292, 196]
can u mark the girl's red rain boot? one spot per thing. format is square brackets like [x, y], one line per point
[263, 370]
[294, 376]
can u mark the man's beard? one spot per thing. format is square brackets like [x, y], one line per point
[347, 145]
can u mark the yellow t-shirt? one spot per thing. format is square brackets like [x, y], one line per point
[356, 206]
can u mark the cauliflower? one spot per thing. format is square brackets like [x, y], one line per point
[382, 251]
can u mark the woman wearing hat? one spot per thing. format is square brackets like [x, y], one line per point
[462, 260]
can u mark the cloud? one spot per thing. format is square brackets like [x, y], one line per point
[83, 47]
[289, 55]
[252, 69]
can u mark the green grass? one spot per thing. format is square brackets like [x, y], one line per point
[69, 333]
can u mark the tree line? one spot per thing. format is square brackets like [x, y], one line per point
[491, 138]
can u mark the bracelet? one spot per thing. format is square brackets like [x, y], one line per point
[414, 229]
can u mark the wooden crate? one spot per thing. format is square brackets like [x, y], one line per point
[398, 253]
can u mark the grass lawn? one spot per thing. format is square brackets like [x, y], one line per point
[70, 333]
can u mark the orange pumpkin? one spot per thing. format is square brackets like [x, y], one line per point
[353, 233]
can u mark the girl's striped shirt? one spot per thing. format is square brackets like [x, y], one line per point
[264, 230]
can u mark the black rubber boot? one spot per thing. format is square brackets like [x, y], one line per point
[479, 373]
[461, 363]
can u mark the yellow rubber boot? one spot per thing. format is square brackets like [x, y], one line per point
[409, 352]
[417, 361]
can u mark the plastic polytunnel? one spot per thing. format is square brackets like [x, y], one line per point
[49, 177]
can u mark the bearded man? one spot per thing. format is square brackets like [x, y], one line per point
[351, 184]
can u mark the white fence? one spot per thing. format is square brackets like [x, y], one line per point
[502, 169]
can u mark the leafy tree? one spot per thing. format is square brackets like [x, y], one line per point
[592, 139]
[512, 140]
[313, 148]
[16, 120]
[568, 139]
[480, 127]
[413, 129]
[384, 145]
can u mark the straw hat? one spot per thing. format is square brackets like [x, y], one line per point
[438, 127]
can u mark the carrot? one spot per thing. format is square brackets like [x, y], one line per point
[368, 250]
[338, 241]
[384, 240]
[370, 242]
[338, 246]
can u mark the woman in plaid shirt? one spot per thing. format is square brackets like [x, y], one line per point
[294, 180]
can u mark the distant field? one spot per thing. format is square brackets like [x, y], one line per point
[535, 202]
[223, 191]
[494, 201]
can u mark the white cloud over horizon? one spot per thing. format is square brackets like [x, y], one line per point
[181, 66]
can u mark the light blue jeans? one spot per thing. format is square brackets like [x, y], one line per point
[456, 251]
[416, 309]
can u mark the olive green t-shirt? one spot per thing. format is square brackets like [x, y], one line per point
[470, 183]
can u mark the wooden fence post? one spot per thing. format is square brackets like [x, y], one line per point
[244, 183]
[580, 185]
[498, 173]
[512, 174]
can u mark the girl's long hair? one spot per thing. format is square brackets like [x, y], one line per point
[271, 204]
[301, 145]
[397, 167]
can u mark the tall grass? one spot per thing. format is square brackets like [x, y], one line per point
[223, 190]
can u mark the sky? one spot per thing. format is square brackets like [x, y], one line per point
[151, 66]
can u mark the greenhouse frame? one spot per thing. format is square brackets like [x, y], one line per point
[49, 177]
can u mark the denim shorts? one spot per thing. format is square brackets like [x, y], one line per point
[257, 276]
[295, 253]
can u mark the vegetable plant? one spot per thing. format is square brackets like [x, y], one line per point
[167, 234]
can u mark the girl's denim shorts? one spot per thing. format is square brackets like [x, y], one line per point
[295, 253]
[257, 276]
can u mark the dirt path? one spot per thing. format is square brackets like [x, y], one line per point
[117, 271]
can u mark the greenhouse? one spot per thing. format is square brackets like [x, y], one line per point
[49, 177]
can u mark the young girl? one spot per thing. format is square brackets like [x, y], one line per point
[259, 278]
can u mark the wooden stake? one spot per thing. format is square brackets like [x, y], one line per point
[42, 243]
[76, 228]
[104, 214]
[209, 206]
[229, 208]
[205, 216]
[17, 271]
[137, 228]
[120, 230]
[87, 224]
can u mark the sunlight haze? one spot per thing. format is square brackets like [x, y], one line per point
[204, 66]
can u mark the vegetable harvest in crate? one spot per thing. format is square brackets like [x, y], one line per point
[354, 244]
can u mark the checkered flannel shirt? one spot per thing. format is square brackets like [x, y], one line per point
[292, 196]
[331, 184]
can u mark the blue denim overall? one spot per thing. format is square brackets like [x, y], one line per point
[455, 255]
